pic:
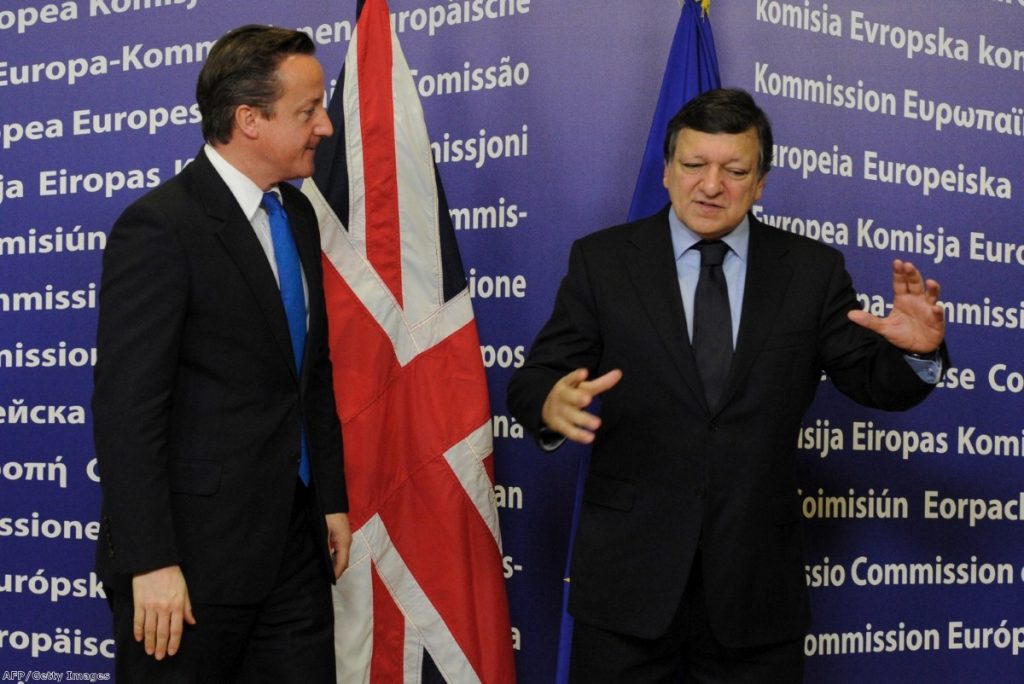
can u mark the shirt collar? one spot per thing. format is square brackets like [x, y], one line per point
[683, 238]
[246, 192]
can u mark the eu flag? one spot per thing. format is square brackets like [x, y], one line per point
[692, 69]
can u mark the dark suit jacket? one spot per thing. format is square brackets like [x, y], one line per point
[197, 405]
[665, 470]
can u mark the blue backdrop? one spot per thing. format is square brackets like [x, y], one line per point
[899, 129]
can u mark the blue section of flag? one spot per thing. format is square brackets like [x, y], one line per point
[691, 69]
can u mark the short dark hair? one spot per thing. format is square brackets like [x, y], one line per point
[241, 69]
[725, 110]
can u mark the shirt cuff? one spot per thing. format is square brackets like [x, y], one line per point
[548, 439]
[928, 369]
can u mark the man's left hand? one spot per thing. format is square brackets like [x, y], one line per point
[916, 322]
[339, 539]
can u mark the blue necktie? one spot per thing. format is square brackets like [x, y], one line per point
[289, 273]
[712, 322]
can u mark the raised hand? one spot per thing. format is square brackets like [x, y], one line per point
[915, 323]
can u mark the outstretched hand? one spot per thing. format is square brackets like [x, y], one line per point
[915, 323]
[563, 410]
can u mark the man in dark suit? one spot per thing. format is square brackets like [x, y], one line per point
[688, 549]
[224, 504]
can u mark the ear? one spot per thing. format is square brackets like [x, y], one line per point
[247, 120]
[664, 176]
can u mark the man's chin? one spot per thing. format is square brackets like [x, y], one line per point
[708, 229]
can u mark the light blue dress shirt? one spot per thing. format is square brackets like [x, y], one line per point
[735, 269]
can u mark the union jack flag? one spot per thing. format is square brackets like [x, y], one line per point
[425, 570]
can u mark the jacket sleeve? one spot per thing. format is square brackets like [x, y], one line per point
[322, 421]
[142, 304]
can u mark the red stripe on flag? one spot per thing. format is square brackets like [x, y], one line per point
[435, 500]
[376, 118]
[387, 663]
[438, 400]
[433, 404]
[398, 423]
[364, 366]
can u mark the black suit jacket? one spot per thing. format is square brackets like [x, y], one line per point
[667, 472]
[197, 405]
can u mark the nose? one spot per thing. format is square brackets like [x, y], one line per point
[323, 127]
[711, 184]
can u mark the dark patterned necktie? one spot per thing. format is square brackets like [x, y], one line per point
[712, 322]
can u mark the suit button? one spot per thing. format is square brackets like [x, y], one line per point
[701, 492]
[713, 427]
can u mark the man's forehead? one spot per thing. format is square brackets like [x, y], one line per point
[690, 137]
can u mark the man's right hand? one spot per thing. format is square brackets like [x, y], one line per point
[161, 604]
[563, 410]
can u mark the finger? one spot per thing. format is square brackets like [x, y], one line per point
[582, 420]
[603, 383]
[572, 397]
[573, 379]
[163, 634]
[906, 278]
[340, 562]
[190, 618]
[912, 278]
[174, 636]
[149, 630]
[562, 423]
[866, 320]
[578, 435]
[583, 394]
[899, 278]
[138, 622]
[933, 290]
[578, 426]
[571, 405]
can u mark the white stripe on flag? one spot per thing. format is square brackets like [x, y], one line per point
[353, 150]
[353, 616]
[422, 285]
[422, 278]
[466, 461]
[408, 338]
[419, 612]
[412, 656]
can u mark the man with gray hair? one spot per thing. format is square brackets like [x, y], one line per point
[705, 333]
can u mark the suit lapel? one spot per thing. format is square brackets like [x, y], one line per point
[768, 276]
[652, 268]
[236, 234]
